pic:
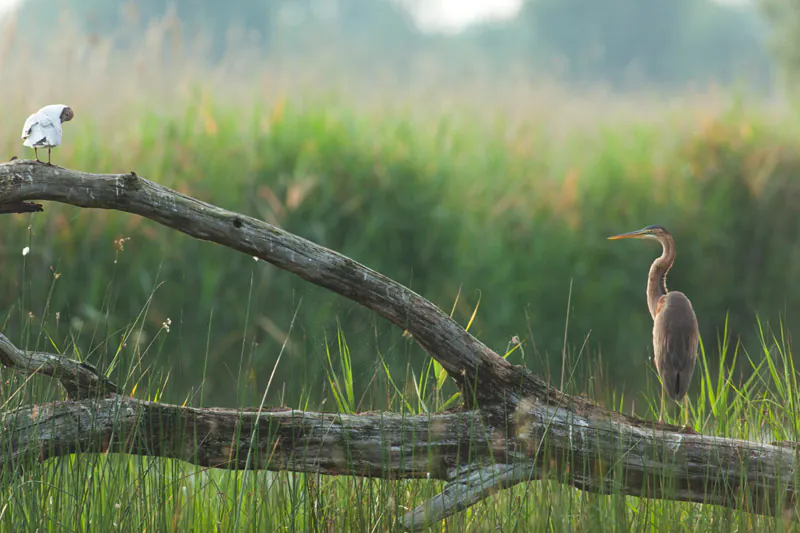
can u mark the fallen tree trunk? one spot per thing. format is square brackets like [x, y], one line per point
[514, 426]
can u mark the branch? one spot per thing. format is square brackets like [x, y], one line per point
[20, 207]
[461, 354]
[476, 459]
[479, 483]
[382, 445]
[81, 380]
[523, 426]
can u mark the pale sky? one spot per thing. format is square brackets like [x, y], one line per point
[5, 4]
[455, 14]
[448, 15]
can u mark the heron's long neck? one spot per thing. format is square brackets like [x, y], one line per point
[657, 280]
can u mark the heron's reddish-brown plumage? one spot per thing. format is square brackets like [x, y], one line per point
[675, 341]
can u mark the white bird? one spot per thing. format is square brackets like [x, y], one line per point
[43, 128]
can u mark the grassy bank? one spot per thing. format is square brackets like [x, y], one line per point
[118, 493]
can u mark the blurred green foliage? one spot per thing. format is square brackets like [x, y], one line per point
[784, 17]
[448, 205]
[626, 44]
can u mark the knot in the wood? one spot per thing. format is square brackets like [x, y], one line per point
[131, 181]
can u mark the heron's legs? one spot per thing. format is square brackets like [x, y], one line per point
[48, 156]
[686, 409]
[36, 152]
[686, 427]
[661, 411]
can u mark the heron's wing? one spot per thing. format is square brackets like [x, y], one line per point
[675, 341]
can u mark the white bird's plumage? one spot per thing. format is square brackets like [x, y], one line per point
[43, 128]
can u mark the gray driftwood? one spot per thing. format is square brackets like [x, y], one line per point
[513, 427]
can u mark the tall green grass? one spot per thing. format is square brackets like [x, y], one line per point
[122, 493]
[505, 215]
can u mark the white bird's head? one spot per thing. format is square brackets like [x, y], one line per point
[60, 112]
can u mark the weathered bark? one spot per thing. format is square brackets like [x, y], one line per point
[80, 380]
[21, 207]
[516, 427]
[385, 445]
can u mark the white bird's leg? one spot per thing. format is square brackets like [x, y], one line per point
[36, 152]
[48, 156]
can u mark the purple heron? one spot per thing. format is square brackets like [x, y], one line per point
[675, 332]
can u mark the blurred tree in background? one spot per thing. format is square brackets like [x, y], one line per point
[784, 15]
[286, 27]
[624, 43]
[630, 42]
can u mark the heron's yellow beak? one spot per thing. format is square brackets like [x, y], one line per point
[638, 234]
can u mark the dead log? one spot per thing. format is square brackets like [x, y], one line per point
[79, 379]
[514, 427]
